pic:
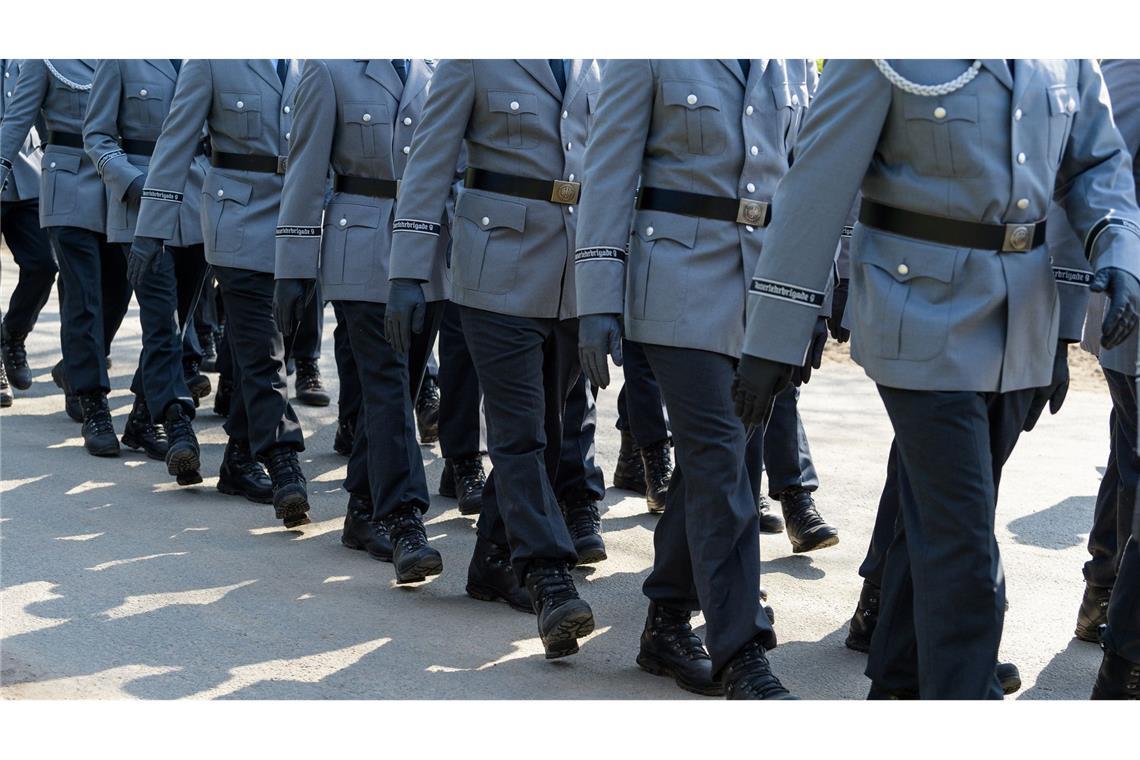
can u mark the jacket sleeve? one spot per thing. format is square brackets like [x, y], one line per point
[22, 112]
[613, 165]
[303, 196]
[177, 144]
[1095, 181]
[430, 171]
[1071, 273]
[101, 129]
[834, 149]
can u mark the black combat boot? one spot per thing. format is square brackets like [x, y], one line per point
[361, 532]
[223, 397]
[98, 431]
[863, 622]
[1093, 613]
[670, 648]
[658, 462]
[806, 529]
[310, 390]
[240, 475]
[749, 676]
[490, 577]
[585, 526]
[5, 391]
[16, 360]
[427, 411]
[183, 457]
[1009, 677]
[290, 496]
[345, 435]
[209, 351]
[71, 403]
[463, 479]
[413, 557]
[769, 523]
[1117, 678]
[629, 472]
[198, 383]
[140, 432]
[563, 617]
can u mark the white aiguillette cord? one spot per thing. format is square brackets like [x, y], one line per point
[927, 90]
[64, 80]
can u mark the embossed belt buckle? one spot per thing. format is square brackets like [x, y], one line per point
[1018, 238]
[565, 192]
[282, 163]
[753, 213]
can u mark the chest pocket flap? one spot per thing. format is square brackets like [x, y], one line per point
[366, 113]
[241, 102]
[499, 101]
[905, 260]
[690, 95]
[1062, 100]
[942, 110]
[222, 188]
[489, 213]
[62, 162]
[345, 215]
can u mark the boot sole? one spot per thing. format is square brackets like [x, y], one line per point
[576, 623]
[591, 556]
[429, 439]
[857, 643]
[229, 490]
[421, 570]
[291, 505]
[655, 509]
[308, 400]
[823, 543]
[107, 453]
[185, 465]
[5, 402]
[20, 386]
[349, 544]
[658, 667]
[134, 444]
[1087, 634]
[470, 509]
[487, 594]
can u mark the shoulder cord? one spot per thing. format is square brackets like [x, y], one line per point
[66, 82]
[927, 90]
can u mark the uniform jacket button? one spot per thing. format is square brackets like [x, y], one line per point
[754, 150]
[570, 178]
[1021, 158]
[750, 187]
[366, 117]
[407, 121]
[940, 113]
[570, 209]
[569, 145]
[749, 228]
[407, 149]
[343, 222]
[514, 105]
[287, 109]
[1071, 105]
[52, 166]
[1017, 115]
[795, 100]
[903, 269]
[240, 104]
[221, 193]
[648, 232]
[142, 93]
[288, 135]
[1023, 203]
[565, 114]
[691, 100]
[485, 220]
[748, 111]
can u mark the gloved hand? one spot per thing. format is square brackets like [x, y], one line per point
[4, 172]
[290, 297]
[599, 336]
[134, 192]
[143, 258]
[814, 354]
[755, 387]
[1054, 392]
[405, 313]
[1123, 309]
[838, 306]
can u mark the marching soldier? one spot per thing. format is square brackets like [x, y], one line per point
[355, 116]
[524, 124]
[246, 107]
[20, 223]
[93, 284]
[710, 139]
[129, 101]
[953, 310]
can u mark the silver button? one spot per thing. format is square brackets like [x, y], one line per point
[1017, 115]
[570, 209]
[240, 104]
[940, 113]
[407, 121]
[648, 232]
[287, 109]
[366, 117]
[749, 228]
[748, 111]
[565, 114]
[691, 100]
[343, 222]
[569, 145]
[1021, 158]
[795, 100]
[9, 93]
[750, 187]
[903, 269]
[52, 165]
[407, 149]
[142, 93]
[221, 193]
[570, 178]
[1071, 105]
[288, 135]
[514, 105]
[1023, 203]
[754, 150]
[7, 74]
[485, 220]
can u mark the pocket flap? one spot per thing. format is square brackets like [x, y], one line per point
[691, 95]
[241, 101]
[223, 188]
[1062, 100]
[790, 94]
[365, 113]
[342, 215]
[62, 162]
[655, 225]
[500, 101]
[142, 91]
[940, 110]
[905, 259]
[495, 211]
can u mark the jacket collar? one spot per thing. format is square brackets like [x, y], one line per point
[539, 68]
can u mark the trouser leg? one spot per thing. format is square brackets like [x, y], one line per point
[159, 378]
[31, 250]
[886, 517]
[116, 289]
[225, 364]
[305, 342]
[348, 398]
[82, 323]
[643, 407]
[787, 455]
[189, 273]
[459, 393]
[578, 473]
[1116, 499]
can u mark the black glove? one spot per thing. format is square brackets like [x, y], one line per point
[1120, 315]
[290, 297]
[1054, 392]
[134, 193]
[143, 258]
[814, 354]
[405, 313]
[838, 306]
[755, 387]
[599, 336]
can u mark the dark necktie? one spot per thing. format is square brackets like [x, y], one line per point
[401, 68]
[177, 64]
[1010, 62]
[559, 69]
[746, 66]
[282, 69]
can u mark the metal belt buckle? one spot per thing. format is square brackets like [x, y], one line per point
[753, 213]
[565, 192]
[1018, 238]
[282, 163]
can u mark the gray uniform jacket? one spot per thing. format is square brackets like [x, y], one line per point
[937, 317]
[245, 110]
[24, 180]
[130, 100]
[71, 193]
[509, 255]
[695, 126]
[354, 117]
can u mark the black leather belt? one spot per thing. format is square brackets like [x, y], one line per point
[374, 188]
[554, 191]
[66, 139]
[1007, 238]
[249, 162]
[740, 210]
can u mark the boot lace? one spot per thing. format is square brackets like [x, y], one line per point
[800, 511]
[308, 375]
[553, 585]
[17, 353]
[429, 396]
[582, 518]
[406, 529]
[284, 467]
[658, 464]
[469, 475]
[751, 675]
[673, 625]
[96, 415]
[178, 428]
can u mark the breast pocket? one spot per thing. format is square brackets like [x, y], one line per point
[944, 137]
[60, 181]
[144, 103]
[348, 247]
[369, 127]
[66, 102]
[699, 105]
[659, 259]
[1063, 106]
[904, 300]
[224, 208]
[517, 117]
[241, 113]
[487, 243]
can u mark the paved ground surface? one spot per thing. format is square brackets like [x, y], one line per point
[116, 583]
